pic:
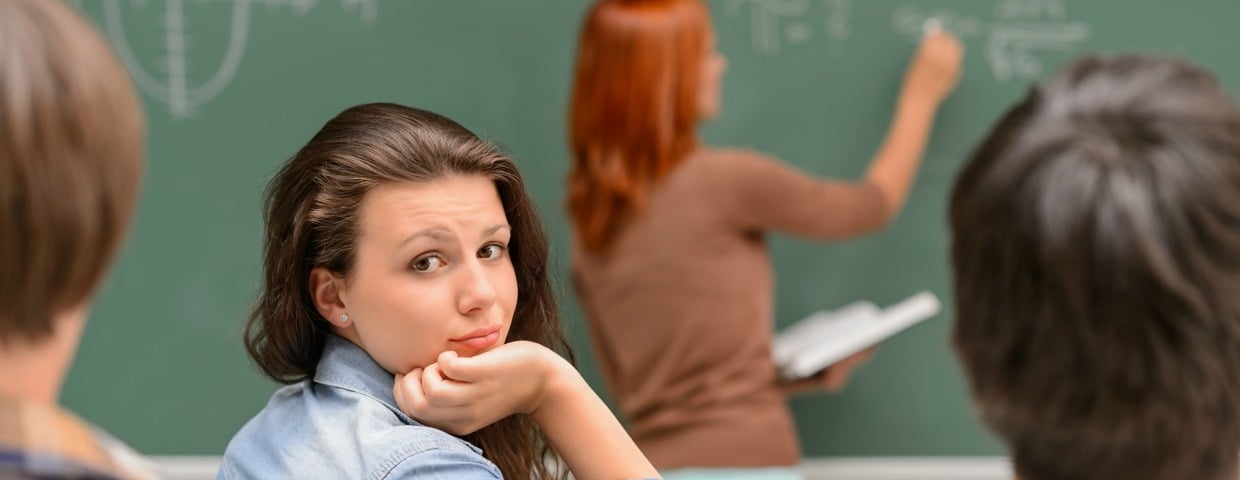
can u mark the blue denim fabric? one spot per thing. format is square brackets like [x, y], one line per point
[344, 424]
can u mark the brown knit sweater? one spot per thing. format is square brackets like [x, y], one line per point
[680, 305]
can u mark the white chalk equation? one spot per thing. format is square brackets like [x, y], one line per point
[776, 23]
[1014, 42]
[1016, 37]
[185, 75]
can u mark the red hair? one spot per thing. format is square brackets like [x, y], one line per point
[634, 107]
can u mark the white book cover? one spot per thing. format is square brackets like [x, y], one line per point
[826, 337]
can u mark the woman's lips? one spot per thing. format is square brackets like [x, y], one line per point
[478, 339]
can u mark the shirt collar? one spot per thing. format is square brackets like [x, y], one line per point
[346, 366]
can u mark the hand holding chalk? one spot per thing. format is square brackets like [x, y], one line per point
[931, 26]
[935, 69]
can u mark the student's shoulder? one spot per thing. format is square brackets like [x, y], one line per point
[310, 427]
[408, 440]
[400, 447]
[378, 424]
[420, 452]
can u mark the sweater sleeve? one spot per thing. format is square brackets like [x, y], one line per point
[765, 194]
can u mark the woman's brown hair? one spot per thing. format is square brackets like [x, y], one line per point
[311, 216]
[634, 107]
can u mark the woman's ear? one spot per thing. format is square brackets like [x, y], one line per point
[327, 292]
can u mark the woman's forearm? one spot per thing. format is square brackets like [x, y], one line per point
[895, 166]
[583, 430]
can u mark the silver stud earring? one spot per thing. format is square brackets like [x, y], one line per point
[344, 318]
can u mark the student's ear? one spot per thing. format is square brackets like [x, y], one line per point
[327, 292]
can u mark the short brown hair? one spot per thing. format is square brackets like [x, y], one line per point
[311, 216]
[1096, 253]
[71, 140]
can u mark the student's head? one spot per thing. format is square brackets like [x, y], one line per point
[1096, 254]
[71, 140]
[647, 73]
[405, 233]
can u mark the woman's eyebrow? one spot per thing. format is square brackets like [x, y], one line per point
[437, 234]
[495, 229]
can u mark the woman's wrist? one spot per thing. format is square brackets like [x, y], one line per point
[917, 104]
[560, 383]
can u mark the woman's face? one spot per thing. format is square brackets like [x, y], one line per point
[710, 90]
[431, 273]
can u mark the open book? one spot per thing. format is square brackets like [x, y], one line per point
[819, 340]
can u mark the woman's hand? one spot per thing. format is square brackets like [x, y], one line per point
[935, 69]
[832, 379]
[462, 395]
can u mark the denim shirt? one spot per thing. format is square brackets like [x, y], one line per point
[345, 424]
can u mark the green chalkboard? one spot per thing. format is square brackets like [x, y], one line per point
[233, 87]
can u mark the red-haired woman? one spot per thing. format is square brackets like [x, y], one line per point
[669, 259]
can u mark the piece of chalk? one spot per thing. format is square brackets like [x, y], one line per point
[931, 26]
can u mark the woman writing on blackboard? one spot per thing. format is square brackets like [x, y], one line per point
[405, 300]
[669, 259]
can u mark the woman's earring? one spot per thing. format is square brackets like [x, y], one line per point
[344, 318]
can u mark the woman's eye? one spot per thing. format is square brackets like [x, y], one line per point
[427, 264]
[491, 251]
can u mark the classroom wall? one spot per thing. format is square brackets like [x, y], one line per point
[232, 88]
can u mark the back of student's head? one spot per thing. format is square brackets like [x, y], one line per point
[71, 140]
[1096, 253]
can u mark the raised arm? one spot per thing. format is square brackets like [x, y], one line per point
[931, 75]
[765, 193]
